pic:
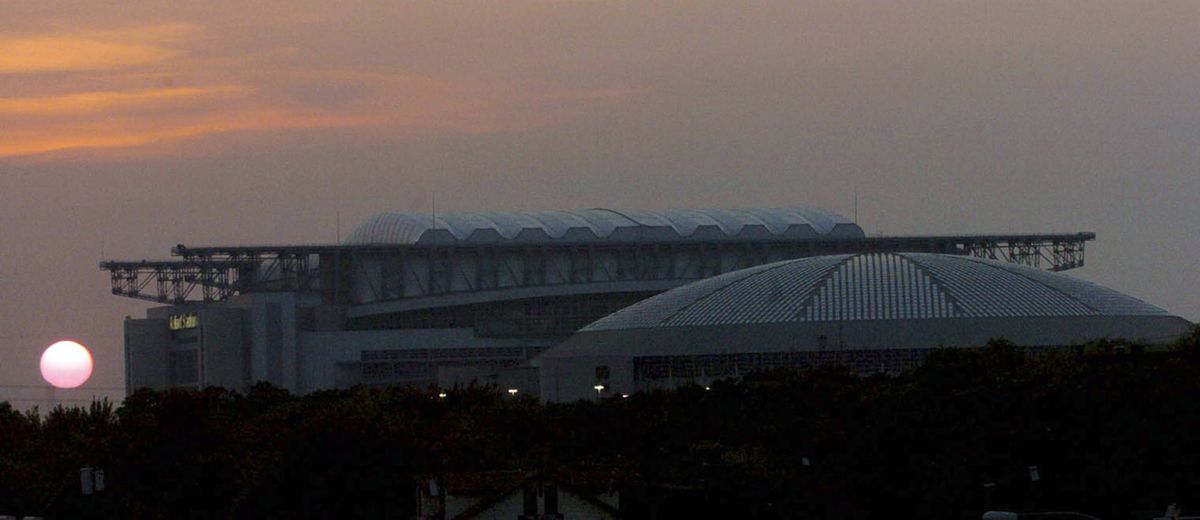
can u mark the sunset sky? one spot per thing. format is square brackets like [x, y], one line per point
[129, 127]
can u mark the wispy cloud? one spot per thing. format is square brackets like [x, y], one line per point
[93, 102]
[126, 132]
[172, 82]
[91, 50]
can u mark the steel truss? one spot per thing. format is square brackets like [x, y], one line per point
[338, 273]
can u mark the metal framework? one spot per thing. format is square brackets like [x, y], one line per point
[351, 275]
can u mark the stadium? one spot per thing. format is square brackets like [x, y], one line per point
[875, 312]
[453, 298]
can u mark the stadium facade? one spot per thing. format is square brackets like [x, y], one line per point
[459, 297]
[872, 311]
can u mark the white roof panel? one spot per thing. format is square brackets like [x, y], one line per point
[876, 286]
[601, 224]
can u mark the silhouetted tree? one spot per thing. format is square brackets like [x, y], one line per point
[1110, 426]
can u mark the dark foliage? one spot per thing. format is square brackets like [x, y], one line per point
[1111, 427]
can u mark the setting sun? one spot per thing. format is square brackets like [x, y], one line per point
[66, 364]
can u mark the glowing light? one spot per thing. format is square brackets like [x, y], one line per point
[66, 364]
[512, 391]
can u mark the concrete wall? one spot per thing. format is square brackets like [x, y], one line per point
[216, 345]
[271, 337]
[145, 354]
[222, 349]
[255, 337]
[320, 353]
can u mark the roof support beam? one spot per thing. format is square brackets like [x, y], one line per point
[220, 272]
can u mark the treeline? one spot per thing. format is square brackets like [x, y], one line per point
[1112, 429]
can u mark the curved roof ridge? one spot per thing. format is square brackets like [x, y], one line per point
[760, 270]
[604, 223]
[491, 217]
[1068, 295]
[826, 279]
[687, 221]
[670, 302]
[566, 221]
[877, 287]
[619, 214]
[959, 310]
[751, 213]
[748, 218]
[825, 219]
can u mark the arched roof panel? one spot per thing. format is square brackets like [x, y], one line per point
[876, 286]
[601, 224]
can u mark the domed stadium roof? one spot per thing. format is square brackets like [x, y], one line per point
[870, 311]
[876, 286]
[872, 301]
[603, 224]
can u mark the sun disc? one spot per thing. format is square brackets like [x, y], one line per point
[66, 364]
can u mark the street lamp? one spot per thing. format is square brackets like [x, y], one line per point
[512, 391]
[599, 390]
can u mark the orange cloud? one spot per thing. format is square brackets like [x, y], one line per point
[90, 51]
[92, 102]
[125, 133]
[266, 89]
[141, 119]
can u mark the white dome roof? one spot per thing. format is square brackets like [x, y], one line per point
[876, 286]
[870, 311]
[603, 224]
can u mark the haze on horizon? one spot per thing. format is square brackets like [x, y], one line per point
[131, 127]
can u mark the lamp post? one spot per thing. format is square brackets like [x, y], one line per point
[599, 390]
